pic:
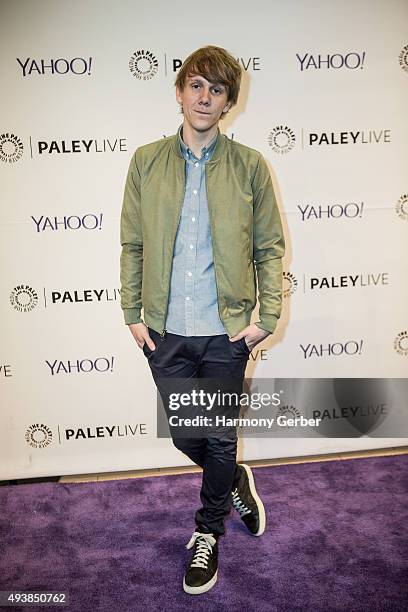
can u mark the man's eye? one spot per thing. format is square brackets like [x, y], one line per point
[195, 85]
[216, 90]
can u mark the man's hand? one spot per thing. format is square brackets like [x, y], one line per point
[141, 335]
[253, 335]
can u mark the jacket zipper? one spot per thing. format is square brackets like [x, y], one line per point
[212, 244]
[163, 334]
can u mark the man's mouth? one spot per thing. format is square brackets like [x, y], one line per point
[202, 112]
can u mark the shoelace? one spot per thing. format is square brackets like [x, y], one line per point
[238, 504]
[204, 548]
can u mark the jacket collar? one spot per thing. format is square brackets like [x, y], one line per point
[219, 148]
[206, 152]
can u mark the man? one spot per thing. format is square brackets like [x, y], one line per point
[200, 229]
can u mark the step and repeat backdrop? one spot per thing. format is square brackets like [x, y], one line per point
[324, 98]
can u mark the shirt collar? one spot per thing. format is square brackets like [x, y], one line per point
[206, 152]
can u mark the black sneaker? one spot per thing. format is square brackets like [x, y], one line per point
[246, 501]
[201, 574]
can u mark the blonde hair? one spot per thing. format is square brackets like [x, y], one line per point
[216, 65]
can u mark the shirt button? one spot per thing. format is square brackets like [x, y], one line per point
[196, 164]
[189, 274]
[187, 297]
[195, 191]
[193, 218]
[191, 246]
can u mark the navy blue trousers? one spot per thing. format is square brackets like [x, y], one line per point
[188, 358]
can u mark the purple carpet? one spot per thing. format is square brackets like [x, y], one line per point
[336, 539]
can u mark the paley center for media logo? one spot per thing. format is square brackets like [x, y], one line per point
[401, 343]
[6, 370]
[12, 147]
[401, 207]
[144, 64]
[39, 435]
[282, 138]
[25, 298]
[343, 407]
[403, 58]
[289, 284]
[346, 281]
[338, 407]
[339, 281]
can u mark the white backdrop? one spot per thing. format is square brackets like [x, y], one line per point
[324, 99]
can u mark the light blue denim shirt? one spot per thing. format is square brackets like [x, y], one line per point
[193, 309]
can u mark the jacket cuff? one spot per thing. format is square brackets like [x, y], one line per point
[132, 315]
[267, 323]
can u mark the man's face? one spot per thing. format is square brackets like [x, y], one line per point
[203, 102]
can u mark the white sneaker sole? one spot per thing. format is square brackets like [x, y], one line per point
[201, 589]
[261, 509]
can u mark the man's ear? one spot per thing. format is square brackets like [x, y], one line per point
[178, 94]
[227, 107]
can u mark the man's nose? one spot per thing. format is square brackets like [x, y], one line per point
[205, 96]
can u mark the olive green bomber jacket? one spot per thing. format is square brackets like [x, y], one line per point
[246, 231]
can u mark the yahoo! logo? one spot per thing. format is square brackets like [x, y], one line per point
[332, 349]
[335, 61]
[350, 210]
[100, 364]
[71, 222]
[77, 65]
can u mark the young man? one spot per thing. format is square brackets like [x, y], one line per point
[200, 229]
